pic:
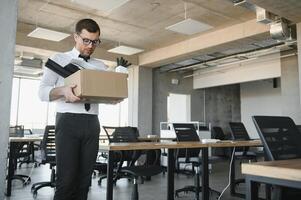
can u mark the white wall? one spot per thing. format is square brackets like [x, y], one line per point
[178, 108]
[262, 68]
[259, 98]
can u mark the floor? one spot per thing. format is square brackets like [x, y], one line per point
[150, 190]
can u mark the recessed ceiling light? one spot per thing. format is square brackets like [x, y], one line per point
[125, 50]
[189, 27]
[47, 34]
[102, 5]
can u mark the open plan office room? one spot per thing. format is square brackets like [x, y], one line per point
[201, 99]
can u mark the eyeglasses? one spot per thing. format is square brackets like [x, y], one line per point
[87, 41]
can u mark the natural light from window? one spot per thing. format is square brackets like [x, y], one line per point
[28, 110]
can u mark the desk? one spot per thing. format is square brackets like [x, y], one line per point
[283, 172]
[171, 146]
[12, 146]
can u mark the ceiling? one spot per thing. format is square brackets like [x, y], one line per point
[138, 23]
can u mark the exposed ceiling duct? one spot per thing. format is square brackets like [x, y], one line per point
[282, 37]
[265, 17]
[280, 31]
[28, 67]
[245, 4]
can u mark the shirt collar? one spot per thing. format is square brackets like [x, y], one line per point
[75, 52]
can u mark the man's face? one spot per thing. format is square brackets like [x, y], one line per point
[86, 42]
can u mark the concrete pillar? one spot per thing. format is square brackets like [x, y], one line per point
[290, 89]
[145, 106]
[140, 99]
[299, 56]
[8, 21]
[133, 87]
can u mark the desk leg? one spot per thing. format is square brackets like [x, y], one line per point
[11, 168]
[252, 189]
[170, 174]
[205, 174]
[232, 176]
[110, 176]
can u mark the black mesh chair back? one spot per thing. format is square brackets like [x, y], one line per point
[217, 133]
[48, 145]
[121, 134]
[280, 137]
[238, 131]
[186, 133]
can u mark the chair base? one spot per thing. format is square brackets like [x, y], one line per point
[36, 186]
[192, 188]
[24, 178]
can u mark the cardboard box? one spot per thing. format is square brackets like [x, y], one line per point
[96, 86]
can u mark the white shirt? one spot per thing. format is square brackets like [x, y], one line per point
[51, 79]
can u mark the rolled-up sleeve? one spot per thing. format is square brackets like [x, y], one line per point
[48, 82]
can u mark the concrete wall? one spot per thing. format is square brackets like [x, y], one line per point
[223, 106]
[8, 20]
[217, 105]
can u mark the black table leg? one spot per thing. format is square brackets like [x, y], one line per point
[110, 176]
[232, 175]
[170, 174]
[205, 174]
[252, 189]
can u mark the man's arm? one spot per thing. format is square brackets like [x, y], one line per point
[63, 92]
[47, 91]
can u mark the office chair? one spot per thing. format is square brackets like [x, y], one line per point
[30, 147]
[132, 171]
[218, 133]
[239, 132]
[281, 141]
[184, 133]
[48, 155]
[130, 134]
[22, 150]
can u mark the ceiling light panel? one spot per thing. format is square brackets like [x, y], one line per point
[101, 5]
[47, 34]
[125, 50]
[189, 27]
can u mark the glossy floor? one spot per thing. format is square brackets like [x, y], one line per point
[150, 190]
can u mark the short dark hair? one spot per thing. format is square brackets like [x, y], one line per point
[88, 24]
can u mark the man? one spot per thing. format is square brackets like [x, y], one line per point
[77, 124]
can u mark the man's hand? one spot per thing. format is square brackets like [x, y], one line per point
[122, 62]
[64, 92]
[69, 95]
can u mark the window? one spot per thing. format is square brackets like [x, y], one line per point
[28, 110]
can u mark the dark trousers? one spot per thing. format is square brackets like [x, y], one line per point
[76, 140]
